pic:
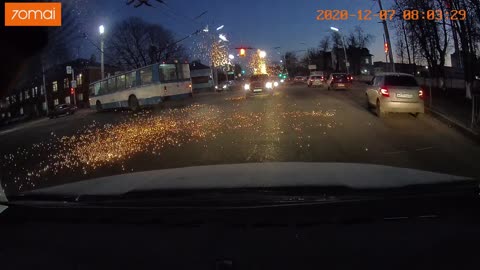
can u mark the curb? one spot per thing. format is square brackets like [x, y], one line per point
[470, 133]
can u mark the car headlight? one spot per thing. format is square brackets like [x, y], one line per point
[268, 85]
[224, 86]
[275, 84]
[247, 87]
[282, 80]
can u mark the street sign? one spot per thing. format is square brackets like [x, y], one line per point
[69, 69]
[312, 67]
[74, 84]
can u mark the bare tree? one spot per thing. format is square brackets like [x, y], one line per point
[325, 44]
[135, 43]
[432, 37]
[468, 31]
[358, 38]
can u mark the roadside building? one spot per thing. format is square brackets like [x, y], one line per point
[26, 100]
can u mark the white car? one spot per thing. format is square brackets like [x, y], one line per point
[395, 92]
[316, 81]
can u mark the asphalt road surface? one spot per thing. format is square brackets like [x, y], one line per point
[296, 124]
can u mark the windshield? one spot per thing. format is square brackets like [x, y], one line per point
[400, 81]
[256, 78]
[121, 87]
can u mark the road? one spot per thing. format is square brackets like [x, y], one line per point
[297, 124]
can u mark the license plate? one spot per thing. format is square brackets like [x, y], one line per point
[341, 85]
[404, 95]
[257, 90]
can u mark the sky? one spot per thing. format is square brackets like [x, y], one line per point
[288, 24]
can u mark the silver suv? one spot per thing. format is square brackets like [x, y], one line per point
[395, 92]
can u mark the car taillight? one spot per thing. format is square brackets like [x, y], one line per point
[384, 92]
[421, 94]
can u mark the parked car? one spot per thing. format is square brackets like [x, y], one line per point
[338, 81]
[62, 109]
[395, 92]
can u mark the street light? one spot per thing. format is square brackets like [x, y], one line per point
[231, 57]
[222, 37]
[344, 49]
[101, 30]
[262, 54]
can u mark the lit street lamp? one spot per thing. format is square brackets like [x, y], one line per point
[262, 54]
[231, 57]
[222, 37]
[101, 30]
[344, 49]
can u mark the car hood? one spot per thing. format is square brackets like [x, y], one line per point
[254, 175]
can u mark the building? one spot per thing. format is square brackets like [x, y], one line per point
[359, 60]
[27, 99]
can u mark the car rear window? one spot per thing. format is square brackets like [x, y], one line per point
[400, 81]
[340, 76]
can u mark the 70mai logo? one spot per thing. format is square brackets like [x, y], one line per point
[33, 14]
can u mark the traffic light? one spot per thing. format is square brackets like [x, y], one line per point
[72, 91]
[385, 46]
[242, 52]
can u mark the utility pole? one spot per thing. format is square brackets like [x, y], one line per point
[387, 36]
[345, 52]
[74, 88]
[44, 86]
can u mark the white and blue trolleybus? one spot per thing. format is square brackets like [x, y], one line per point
[146, 86]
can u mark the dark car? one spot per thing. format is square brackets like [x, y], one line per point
[260, 84]
[339, 81]
[62, 109]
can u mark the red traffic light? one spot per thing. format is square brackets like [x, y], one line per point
[385, 46]
[72, 91]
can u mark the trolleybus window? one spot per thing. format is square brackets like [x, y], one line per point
[168, 72]
[146, 75]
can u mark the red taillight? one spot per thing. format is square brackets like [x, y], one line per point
[384, 92]
[421, 94]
